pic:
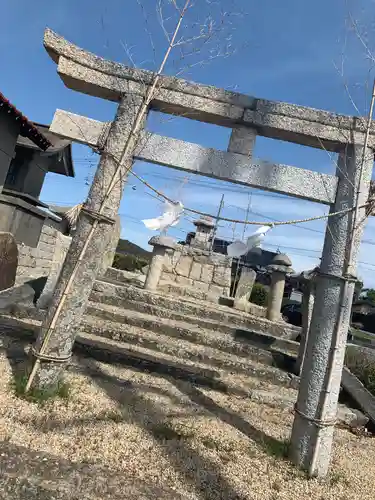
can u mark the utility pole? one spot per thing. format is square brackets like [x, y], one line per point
[217, 222]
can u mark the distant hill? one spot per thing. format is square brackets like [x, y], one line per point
[126, 247]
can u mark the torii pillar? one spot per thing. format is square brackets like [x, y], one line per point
[78, 275]
[316, 408]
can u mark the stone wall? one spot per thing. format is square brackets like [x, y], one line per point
[61, 249]
[192, 267]
[36, 262]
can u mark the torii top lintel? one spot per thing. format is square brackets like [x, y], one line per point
[85, 72]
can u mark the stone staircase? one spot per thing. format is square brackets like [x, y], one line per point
[211, 344]
[177, 329]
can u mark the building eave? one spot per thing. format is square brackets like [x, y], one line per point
[27, 128]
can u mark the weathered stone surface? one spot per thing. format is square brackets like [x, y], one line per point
[279, 268]
[204, 221]
[202, 259]
[49, 240]
[359, 393]
[351, 417]
[79, 128]
[239, 169]
[242, 141]
[354, 171]
[70, 314]
[48, 230]
[184, 265]
[112, 245]
[127, 297]
[307, 132]
[84, 71]
[222, 276]
[15, 294]
[232, 167]
[177, 255]
[201, 285]
[282, 259]
[182, 280]
[120, 276]
[275, 296]
[245, 284]
[8, 260]
[216, 290]
[167, 276]
[203, 233]
[45, 246]
[195, 271]
[168, 264]
[162, 244]
[163, 241]
[207, 273]
[219, 259]
[61, 249]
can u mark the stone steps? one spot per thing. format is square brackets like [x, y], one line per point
[218, 334]
[202, 356]
[145, 335]
[153, 352]
[198, 312]
[239, 342]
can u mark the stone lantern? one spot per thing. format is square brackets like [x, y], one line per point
[203, 233]
[280, 266]
[161, 245]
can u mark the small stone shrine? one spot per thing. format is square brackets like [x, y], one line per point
[194, 265]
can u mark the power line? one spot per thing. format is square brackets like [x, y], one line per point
[292, 250]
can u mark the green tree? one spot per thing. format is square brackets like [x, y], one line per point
[259, 295]
[369, 294]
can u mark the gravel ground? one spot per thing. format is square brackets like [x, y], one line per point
[173, 436]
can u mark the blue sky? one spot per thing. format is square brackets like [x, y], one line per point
[301, 52]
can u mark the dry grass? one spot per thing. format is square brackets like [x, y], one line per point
[202, 443]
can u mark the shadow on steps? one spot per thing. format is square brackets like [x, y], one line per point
[19, 338]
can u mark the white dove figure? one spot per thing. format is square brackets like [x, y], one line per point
[170, 217]
[239, 248]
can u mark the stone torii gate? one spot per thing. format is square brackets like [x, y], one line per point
[247, 117]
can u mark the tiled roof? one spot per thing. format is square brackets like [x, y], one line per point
[27, 128]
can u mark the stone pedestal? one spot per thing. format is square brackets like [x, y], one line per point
[280, 267]
[199, 269]
[161, 244]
